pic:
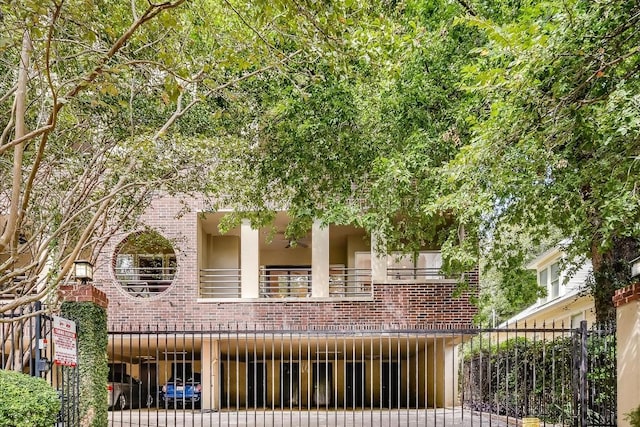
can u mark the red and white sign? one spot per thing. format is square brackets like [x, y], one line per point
[64, 342]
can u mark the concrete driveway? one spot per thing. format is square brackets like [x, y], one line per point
[313, 418]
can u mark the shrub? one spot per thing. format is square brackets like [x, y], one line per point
[26, 401]
[633, 417]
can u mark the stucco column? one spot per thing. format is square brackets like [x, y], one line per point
[210, 375]
[627, 302]
[319, 260]
[249, 260]
[378, 260]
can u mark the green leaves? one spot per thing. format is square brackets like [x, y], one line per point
[26, 401]
[557, 142]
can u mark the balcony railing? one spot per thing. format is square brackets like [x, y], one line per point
[414, 273]
[220, 283]
[143, 282]
[285, 282]
[295, 281]
[350, 282]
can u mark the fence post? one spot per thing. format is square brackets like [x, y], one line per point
[583, 373]
[38, 361]
[627, 302]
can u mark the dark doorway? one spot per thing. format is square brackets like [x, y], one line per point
[322, 383]
[256, 384]
[390, 384]
[289, 384]
[150, 395]
[354, 384]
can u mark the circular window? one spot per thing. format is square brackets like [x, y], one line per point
[145, 264]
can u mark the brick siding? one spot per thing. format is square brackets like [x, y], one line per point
[626, 295]
[397, 304]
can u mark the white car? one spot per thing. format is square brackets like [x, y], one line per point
[125, 392]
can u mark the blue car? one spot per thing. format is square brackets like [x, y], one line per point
[181, 394]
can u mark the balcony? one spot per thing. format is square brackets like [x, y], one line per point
[145, 282]
[286, 282]
[295, 282]
[334, 261]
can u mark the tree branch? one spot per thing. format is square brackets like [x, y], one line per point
[181, 111]
[9, 234]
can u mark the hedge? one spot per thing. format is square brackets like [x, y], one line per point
[26, 401]
[520, 377]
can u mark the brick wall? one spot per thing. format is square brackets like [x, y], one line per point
[392, 304]
[408, 304]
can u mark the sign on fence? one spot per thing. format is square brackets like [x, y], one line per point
[64, 342]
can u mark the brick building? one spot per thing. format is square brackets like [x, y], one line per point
[312, 313]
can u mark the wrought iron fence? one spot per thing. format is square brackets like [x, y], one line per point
[197, 375]
[560, 375]
[365, 376]
[26, 337]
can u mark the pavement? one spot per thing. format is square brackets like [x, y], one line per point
[306, 418]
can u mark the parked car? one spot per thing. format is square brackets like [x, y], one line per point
[180, 393]
[125, 392]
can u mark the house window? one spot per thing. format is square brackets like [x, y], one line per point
[145, 264]
[554, 273]
[542, 281]
[549, 279]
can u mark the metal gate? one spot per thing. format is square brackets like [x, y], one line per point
[200, 375]
[26, 344]
[560, 376]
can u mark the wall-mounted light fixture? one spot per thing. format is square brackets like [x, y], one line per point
[83, 271]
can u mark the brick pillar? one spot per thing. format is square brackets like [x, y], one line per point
[627, 302]
[87, 306]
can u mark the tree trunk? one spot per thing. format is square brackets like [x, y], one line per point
[611, 271]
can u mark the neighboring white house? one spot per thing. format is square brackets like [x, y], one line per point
[568, 300]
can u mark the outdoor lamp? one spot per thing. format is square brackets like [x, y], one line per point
[83, 270]
[635, 267]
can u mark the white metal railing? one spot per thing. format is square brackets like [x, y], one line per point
[414, 273]
[220, 283]
[144, 282]
[350, 282]
[285, 282]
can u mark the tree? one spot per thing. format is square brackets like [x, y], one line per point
[108, 104]
[559, 146]
[473, 121]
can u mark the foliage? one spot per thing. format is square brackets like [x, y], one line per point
[633, 417]
[560, 80]
[536, 377]
[91, 321]
[470, 126]
[146, 242]
[26, 401]
[106, 105]
[514, 378]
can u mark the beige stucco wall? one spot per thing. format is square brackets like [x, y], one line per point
[628, 366]
[223, 252]
[355, 244]
[559, 314]
[210, 354]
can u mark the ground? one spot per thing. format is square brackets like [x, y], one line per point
[279, 418]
